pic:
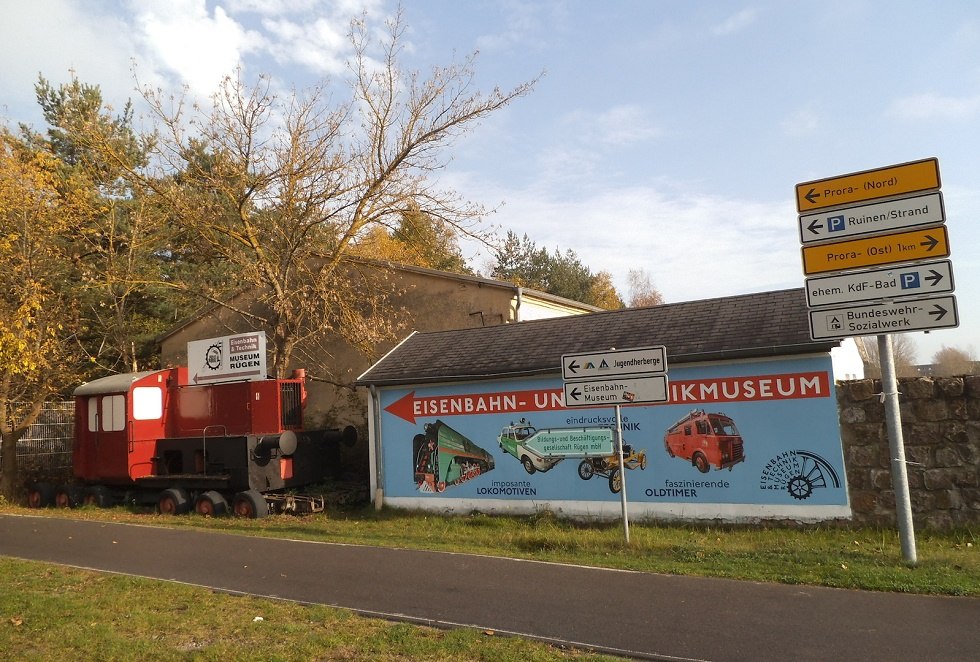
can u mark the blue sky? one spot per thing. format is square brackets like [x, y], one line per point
[666, 136]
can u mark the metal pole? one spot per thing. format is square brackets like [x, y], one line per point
[622, 473]
[896, 448]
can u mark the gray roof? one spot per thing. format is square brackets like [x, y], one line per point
[745, 326]
[112, 384]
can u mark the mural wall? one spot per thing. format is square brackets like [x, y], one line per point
[737, 441]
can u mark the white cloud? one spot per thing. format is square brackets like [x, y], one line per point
[693, 245]
[736, 22]
[198, 47]
[320, 45]
[932, 106]
[616, 126]
[51, 37]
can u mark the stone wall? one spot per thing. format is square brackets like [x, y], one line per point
[941, 429]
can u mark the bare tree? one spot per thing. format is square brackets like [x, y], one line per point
[272, 192]
[952, 361]
[903, 352]
[642, 292]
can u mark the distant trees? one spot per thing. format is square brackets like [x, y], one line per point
[903, 352]
[641, 290]
[952, 361]
[519, 260]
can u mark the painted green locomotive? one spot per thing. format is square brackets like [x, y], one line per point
[444, 457]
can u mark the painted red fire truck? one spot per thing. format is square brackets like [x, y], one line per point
[156, 437]
[706, 440]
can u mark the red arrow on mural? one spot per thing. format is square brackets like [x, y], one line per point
[409, 407]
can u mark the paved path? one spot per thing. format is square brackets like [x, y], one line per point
[643, 615]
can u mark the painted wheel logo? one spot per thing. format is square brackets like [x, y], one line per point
[212, 358]
[798, 473]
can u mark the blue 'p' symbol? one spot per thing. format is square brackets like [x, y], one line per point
[835, 223]
[910, 281]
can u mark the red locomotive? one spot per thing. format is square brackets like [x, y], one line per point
[153, 436]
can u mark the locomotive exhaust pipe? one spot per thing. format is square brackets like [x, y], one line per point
[285, 443]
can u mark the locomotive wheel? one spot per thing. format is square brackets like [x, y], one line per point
[97, 496]
[585, 470]
[701, 462]
[40, 495]
[210, 504]
[173, 501]
[616, 481]
[68, 496]
[250, 504]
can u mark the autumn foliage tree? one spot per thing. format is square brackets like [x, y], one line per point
[277, 190]
[39, 318]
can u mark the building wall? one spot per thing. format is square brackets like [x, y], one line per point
[729, 445]
[423, 300]
[941, 430]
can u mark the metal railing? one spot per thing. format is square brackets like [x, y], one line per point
[47, 443]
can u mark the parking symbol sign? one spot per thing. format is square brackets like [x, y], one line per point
[910, 280]
[836, 223]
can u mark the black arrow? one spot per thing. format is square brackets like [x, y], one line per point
[934, 278]
[930, 241]
[811, 196]
[573, 367]
[939, 312]
[574, 393]
[814, 225]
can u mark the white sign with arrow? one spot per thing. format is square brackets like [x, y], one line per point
[916, 279]
[614, 363]
[616, 391]
[884, 317]
[873, 218]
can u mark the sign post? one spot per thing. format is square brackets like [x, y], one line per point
[885, 300]
[616, 377]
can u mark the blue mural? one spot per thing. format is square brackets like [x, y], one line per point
[762, 432]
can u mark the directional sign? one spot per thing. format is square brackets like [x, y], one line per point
[578, 442]
[614, 363]
[876, 251]
[874, 218]
[923, 278]
[623, 391]
[884, 317]
[913, 177]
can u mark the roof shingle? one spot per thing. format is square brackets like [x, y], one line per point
[744, 326]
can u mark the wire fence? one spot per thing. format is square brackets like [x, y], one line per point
[47, 444]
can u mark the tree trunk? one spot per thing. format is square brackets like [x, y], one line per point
[9, 472]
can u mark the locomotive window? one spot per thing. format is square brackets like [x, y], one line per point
[93, 414]
[147, 403]
[113, 413]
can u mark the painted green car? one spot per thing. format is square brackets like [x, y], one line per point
[512, 439]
